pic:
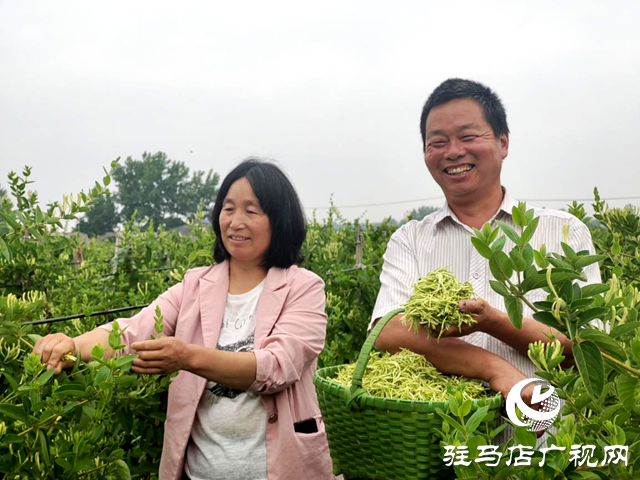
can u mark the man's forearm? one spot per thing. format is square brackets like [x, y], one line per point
[501, 328]
[449, 355]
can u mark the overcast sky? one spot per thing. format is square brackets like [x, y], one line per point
[331, 90]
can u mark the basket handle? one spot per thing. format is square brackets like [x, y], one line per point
[355, 392]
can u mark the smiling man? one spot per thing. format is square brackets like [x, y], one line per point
[466, 139]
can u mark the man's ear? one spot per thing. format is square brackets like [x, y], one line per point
[504, 145]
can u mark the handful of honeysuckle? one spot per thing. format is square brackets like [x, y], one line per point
[434, 302]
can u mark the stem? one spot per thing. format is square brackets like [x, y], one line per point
[626, 367]
[46, 420]
[87, 472]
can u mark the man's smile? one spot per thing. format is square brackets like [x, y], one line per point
[459, 170]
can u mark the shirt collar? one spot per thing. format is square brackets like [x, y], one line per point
[508, 202]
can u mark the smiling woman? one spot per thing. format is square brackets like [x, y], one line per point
[244, 334]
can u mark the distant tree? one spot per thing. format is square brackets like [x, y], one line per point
[162, 189]
[420, 212]
[102, 218]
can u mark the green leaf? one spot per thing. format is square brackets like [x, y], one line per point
[475, 419]
[583, 476]
[534, 282]
[589, 361]
[540, 259]
[530, 230]
[71, 390]
[605, 342]
[126, 380]
[15, 412]
[509, 232]
[498, 245]
[44, 448]
[519, 263]
[496, 431]
[493, 236]
[627, 387]
[517, 216]
[11, 221]
[525, 437]
[588, 260]
[451, 421]
[514, 310]
[44, 377]
[500, 266]
[499, 288]
[593, 313]
[582, 303]
[594, 289]
[101, 376]
[4, 250]
[125, 361]
[465, 408]
[569, 252]
[620, 330]
[482, 248]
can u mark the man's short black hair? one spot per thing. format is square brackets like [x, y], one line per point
[278, 200]
[454, 88]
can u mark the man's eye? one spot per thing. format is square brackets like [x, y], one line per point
[438, 144]
[468, 138]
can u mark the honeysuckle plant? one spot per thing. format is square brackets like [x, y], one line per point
[96, 420]
[602, 390]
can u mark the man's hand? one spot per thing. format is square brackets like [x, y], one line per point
[485, 315]
[162, 356]
[504, 381]
[53, 348]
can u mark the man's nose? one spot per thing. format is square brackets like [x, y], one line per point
[455, 150]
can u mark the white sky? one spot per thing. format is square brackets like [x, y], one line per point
[332, 90]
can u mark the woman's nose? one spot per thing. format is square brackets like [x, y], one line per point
[237, 221]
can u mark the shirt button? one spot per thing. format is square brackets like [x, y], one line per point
[476, 275]
[273, 418]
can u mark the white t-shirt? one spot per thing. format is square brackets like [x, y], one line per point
[228, 436]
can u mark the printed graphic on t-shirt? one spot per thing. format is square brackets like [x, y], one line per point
[219, 391]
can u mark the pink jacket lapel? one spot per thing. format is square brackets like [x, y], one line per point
[213, 290]
[270, 303]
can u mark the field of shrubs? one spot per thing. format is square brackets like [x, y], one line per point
[98, 420]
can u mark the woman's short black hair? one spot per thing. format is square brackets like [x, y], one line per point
[278, 200]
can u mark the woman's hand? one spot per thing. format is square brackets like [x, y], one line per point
[53, 348]
[161, 356]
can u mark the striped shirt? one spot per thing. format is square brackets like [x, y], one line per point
[441, 240]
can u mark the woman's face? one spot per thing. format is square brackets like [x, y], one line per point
[244, 227]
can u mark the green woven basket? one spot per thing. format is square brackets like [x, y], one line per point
[379, 438]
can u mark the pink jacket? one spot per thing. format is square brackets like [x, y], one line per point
[289, 336]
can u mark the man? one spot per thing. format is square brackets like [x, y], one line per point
[466, 139]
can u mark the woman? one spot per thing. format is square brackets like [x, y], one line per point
[245, 335]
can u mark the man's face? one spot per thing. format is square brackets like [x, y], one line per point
[462, 153]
